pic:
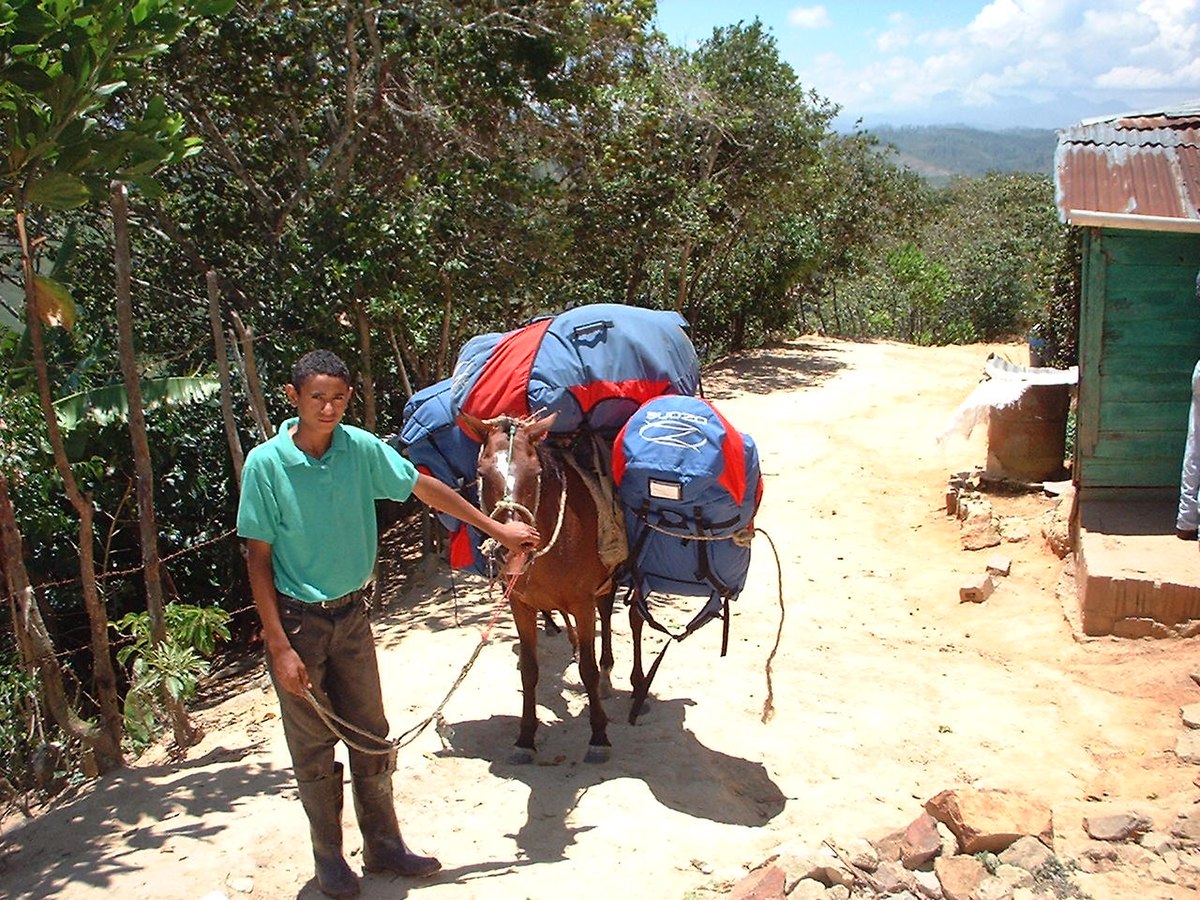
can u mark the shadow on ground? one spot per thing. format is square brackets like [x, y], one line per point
[661, 752]
[139, 804]
[778, 367]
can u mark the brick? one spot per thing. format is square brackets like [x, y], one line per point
[976, 589]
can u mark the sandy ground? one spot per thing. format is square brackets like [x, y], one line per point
[887, 690]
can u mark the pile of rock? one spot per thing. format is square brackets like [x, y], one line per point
[979, 845]
[981, 528]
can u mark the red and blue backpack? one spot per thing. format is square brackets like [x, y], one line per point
[592, 365]
[690, 485]
[434, 443]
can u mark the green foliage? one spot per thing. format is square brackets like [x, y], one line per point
[988, 260]
[196, 628]
[62, 64]
[172, 668]
[922, 286]
[108, 404]
[19, 731]
[162, 669]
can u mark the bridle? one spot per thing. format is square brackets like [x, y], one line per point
[507, 502]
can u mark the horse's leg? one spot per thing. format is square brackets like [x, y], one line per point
[598, 747]
[604, 606]
[526, 618]
[638, 676]
[572, 636]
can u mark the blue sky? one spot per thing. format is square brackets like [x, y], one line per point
[1007, 63]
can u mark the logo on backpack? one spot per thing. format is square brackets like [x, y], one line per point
[674, 428]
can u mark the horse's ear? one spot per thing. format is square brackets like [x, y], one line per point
[475, 428]
[539, 429]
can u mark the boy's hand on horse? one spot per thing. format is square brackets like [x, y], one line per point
[517, 536]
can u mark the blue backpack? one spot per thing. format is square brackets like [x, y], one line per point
[690, 485]
[438, 447]
[592, 365]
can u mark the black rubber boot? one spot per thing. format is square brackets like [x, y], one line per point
[322, 801]
[383, 847]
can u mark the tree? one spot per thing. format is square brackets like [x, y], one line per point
[1000, 238]
[62, 64]
[700, 168]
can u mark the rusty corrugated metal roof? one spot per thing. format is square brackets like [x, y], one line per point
[1141, 165]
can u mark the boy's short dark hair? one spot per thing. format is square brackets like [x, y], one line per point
[319, 362]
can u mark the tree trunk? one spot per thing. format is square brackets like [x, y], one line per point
[107, 741]
[218, 332]
[249, 365]
[447, 305]
[681, 290]
[185, 736]
[636, 276]
[37, 650]
[366, 373]
[400, 365]
[685, 255]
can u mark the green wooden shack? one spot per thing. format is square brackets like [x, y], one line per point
[1132, 183]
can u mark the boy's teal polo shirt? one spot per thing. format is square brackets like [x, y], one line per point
[318, 515]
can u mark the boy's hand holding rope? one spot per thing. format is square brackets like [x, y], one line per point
[383, 745]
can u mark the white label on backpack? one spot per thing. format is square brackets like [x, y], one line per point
[666, 490]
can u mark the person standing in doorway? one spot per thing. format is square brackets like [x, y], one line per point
[307, 514]
[1187, 520]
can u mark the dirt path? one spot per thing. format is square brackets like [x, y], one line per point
[887, 691]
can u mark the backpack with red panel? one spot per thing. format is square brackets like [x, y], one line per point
[592, 365]
[690, 485]
[434, 443]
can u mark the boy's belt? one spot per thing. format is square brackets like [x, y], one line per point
[321, 607]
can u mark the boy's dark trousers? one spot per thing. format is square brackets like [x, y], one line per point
[338, 650]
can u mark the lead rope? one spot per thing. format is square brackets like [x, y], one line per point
[333, 721]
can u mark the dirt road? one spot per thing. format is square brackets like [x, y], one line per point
[887, 690]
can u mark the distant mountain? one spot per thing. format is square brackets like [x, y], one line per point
[939, 152]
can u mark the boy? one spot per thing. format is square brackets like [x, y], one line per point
[307, 513]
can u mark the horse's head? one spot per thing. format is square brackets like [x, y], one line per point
[510, 471]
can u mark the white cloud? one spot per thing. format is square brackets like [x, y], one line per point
[892, 42]
[1017, 54]
[898, 34]
[1123, 77]
[999, 24]
[809, 17]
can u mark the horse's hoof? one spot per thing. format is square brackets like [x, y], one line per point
[596, 754]
[635, 714]
[521, 756]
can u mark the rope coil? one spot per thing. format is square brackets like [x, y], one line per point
[742, 537]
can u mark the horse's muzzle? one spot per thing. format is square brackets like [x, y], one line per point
[515, 564]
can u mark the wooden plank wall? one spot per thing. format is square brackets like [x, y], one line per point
[1139, 339]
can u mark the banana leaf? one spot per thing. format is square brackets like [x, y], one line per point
[110, 404]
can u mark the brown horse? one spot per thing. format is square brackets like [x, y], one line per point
[520, 476]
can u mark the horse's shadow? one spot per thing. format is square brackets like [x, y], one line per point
[681, 772]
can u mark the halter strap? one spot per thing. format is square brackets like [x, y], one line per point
[507, 504]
